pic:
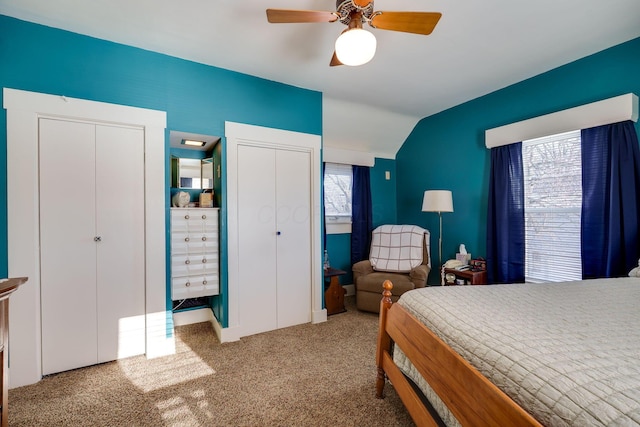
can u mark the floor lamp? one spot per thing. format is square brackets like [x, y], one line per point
[438, 201]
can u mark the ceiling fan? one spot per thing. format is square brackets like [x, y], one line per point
[356, 46]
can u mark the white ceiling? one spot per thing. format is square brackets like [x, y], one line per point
[476, 48]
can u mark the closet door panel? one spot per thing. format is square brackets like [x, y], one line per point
[256, 239]
[67, 247]
[120, 225]
[293, 189]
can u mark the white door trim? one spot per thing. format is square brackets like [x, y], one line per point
[242, 134]
[23, 110]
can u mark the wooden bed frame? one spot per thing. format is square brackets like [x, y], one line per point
[469, 395]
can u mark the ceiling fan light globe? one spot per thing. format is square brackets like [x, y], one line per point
[355, 47]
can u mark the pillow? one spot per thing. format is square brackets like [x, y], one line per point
[397, 248]
[635, 272]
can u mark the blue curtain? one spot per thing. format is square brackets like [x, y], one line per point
[324, 212]
[361, 222]
[505, 216]
[610, 200]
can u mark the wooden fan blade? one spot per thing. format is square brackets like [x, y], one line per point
[285, 16]
[334, 60]
[408, 22]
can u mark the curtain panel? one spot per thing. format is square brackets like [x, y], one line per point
[505, 216]
[611, 200]
[361, 214]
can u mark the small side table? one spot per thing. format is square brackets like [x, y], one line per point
[334, 295]
[469, 277]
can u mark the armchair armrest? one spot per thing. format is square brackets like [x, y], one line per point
[419, 275]
[361, 268]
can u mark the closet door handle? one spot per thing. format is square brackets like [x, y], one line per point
[278, 233]
[97, 239]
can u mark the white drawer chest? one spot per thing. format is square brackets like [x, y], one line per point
[194, 253]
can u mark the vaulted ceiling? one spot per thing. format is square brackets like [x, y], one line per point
[476, 48]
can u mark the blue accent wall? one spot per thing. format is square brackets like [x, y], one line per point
[197, 98]
[383, 202]
[447, 151]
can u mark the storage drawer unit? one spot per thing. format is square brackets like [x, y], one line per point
[194, 253]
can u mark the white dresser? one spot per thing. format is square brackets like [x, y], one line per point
[194, 253]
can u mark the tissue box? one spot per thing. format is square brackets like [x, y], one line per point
[463, 257]
[206, 200]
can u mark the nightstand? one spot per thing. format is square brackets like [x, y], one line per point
[468, 277]
[334, 295]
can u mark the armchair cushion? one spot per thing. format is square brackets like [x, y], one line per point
[396, 248]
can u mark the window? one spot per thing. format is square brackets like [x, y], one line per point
[553, 202]
[338, 181]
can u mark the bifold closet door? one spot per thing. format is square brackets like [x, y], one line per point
[120, 253]
[257, 239]
[293, 217]
[274, 241]
[91, 243]
[67, 247]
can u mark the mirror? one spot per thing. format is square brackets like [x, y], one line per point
[192, 173]
[207, 173]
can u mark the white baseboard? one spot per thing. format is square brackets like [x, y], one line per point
[351, 290]
[189, 317]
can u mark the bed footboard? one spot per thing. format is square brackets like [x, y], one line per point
[470, 396]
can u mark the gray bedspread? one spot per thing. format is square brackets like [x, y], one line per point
[568, 353]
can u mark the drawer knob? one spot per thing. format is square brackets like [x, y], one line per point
[186, 239]
[204, 260]
[204, 238]
[204, 282]
[187, 262]
[204, 217]
[186, 217]
[187, 284]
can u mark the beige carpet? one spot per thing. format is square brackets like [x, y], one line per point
[307, 375]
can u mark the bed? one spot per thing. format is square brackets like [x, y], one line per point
[555, 354]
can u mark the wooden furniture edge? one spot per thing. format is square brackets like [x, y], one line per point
[468, 394]
[7, 287]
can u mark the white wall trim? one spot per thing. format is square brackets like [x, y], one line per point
[23, 111]
[611, 110]
[242, 134]
[189, 317]
[347, 157]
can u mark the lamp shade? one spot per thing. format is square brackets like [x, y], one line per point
[437, 201]
[355, 47]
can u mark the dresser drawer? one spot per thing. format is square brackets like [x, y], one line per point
[194, 287]
[193, 242]
[190, 264]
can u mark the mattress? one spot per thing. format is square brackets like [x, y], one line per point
[568, 353]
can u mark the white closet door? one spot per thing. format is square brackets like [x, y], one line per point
[256, 239]
[68, 250]
[293, 190]
[120, 225]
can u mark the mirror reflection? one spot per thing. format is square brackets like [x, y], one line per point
[192, 173]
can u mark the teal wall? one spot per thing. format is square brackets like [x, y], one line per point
[383, 202]
[197, 98]
[447, 151]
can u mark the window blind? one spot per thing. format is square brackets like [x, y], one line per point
[338, 181]
[553, 199]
